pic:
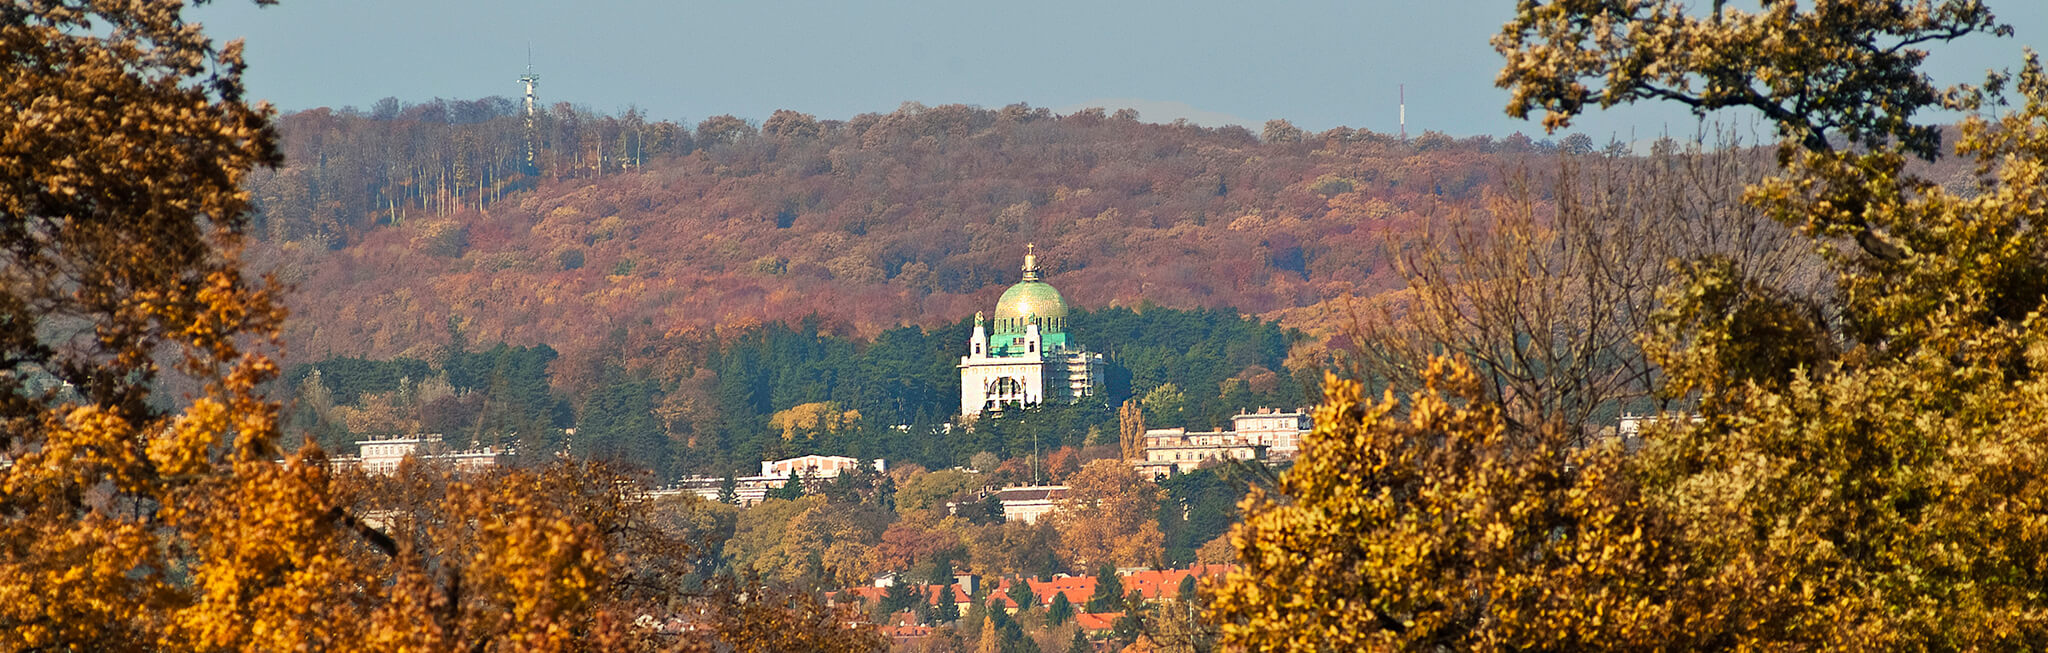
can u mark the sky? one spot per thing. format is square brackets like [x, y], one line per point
[1319, 64]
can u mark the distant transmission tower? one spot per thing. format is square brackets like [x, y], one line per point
[1404, 108]
[532, 129]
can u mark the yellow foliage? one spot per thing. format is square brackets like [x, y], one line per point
[1863, 472]
[136, 520]
[1426, 525]
[1108, 517]
[812, 419]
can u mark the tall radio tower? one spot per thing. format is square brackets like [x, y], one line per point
[532, 130]
[1404, 108]
[529, 79]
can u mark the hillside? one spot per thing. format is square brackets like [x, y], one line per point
[403, 226]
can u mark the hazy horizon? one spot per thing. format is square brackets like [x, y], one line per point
[1318, 64]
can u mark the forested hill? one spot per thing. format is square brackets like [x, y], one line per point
[395, 224]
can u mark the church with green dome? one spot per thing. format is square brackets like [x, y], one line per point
[1023, 357]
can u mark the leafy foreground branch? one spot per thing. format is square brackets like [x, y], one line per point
[1446, 529]
[143, 502]
[1862, 475]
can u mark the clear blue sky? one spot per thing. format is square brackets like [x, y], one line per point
[1319, 64]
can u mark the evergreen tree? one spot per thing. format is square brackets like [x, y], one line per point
[618, 425]
[792, 489]
[899, 596]
[944, 610]
[729, 490]
[1109, 590]
[1020, 592]
[1059, 610]
[1132, 622]
[1080, 643]
[942, 571]
[1195, 508]
[925, 611]
[975, 623]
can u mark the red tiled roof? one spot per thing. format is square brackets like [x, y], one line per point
[931, 593]
[1077, 588]
[901, 634]
[866, 592]
[1165, 584]
[1096, 621]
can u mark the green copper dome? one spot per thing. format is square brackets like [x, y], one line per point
[1031, 300]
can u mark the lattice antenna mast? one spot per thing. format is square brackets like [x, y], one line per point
[532, 130]
[529, 79]
[1404, 109]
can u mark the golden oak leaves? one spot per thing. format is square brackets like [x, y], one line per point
[812, 420]
[1864, 470]
[1888, 497]
[126, 525]
[541, 568]
[1426, 524]
[123, 143]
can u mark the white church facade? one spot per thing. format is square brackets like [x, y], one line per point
[1023, 357]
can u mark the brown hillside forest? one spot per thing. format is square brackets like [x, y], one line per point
[1836, 346]
[727, 276]
[393, 222]
[670, 292]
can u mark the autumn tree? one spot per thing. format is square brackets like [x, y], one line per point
[933, 489]
[1444, 530]
[1546, 288]
[791, 125]
[1279, 130]
[1854, 72]
[1107, 517]
[1014, 548]
[148, 502]
[811, 420]
[134, 519]
[1856, 472]
[722, 130]
[1130, 424]
[524, 559]
[1867, 435]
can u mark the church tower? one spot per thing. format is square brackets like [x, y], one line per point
[1023, 358]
